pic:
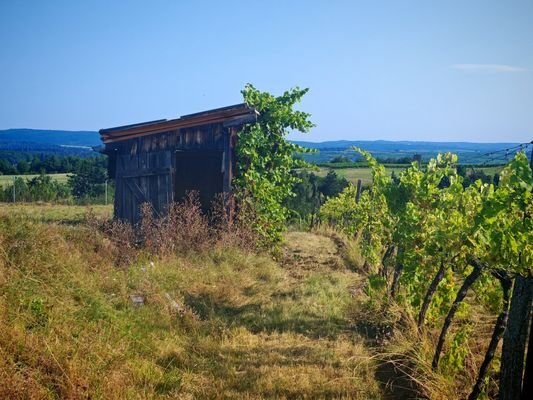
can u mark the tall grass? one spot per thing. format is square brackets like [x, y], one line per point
[217, 320]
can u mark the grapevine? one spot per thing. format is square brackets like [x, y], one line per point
[446, 240]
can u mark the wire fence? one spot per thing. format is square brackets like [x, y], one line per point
[502, 156]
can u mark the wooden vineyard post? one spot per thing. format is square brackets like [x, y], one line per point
[359, 189]
[531, 157]
[499, 329]
[527, 382]
[514, 340]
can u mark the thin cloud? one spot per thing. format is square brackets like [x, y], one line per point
[489, 68]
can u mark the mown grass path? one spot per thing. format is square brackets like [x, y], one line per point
[222, 324]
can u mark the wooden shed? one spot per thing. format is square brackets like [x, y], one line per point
[159, 161]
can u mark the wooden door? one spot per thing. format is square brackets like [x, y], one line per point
[200, 171]
[143, 178]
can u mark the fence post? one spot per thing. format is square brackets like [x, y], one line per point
[514, 340]
[527, 387]
[358, 193]
[531, 157]
[14, 189]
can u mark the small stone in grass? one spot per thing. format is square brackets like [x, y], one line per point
[137, 300]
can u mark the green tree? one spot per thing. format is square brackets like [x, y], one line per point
[88, 180]
[6, 168]
[331, 185]
[23, 167]
[265, 158]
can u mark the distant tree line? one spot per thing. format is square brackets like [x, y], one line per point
[471, 174]
[344, 161]
[86, 183]
[311, 192]
[23, 163]
[407, 160]
[39, 188]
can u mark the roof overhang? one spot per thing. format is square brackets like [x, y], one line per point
[235, 115]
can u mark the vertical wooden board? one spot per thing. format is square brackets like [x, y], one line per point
[153, 183]
[132, 200]
[146, 143]
[217, 134]
[151, 194]
[116, 202]
[210, 134]
[172, 139]
[117, 205]
[188, 138]
[163, 182]
[125, 195]
[232, 151]
[123, 199]
[169, 182]
[163, 142]
[126, 200]
[142, 182]
[127, 204]
[144, 162]
[121, 165]
[158, 183]
[198, 137]
[226, 159]
[172, 177]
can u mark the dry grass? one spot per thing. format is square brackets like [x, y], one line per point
[216, 323]
[404, 355]
[47, 212]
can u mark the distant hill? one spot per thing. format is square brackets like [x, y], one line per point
[81, 142]
[49, 137]
[405, 146]
[467, 152]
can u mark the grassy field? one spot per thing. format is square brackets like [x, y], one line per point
[219, 324]
[353, 174]
[47, 212]
[8, 179]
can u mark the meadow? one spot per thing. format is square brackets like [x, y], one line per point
[221, 323]
[354, 174]
[351, 174]
[365, 173]
[85, 312]
[6, 180]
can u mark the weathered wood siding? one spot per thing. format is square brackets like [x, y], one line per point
[145, 167]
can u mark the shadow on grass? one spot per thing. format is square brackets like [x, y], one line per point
[276, 318]
[396, 383]
[264, 370]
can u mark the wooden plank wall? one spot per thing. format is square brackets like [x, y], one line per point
[145, 166]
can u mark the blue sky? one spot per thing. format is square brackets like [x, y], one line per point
[393, 70]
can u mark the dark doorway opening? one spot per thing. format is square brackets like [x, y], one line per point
[199, 171]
